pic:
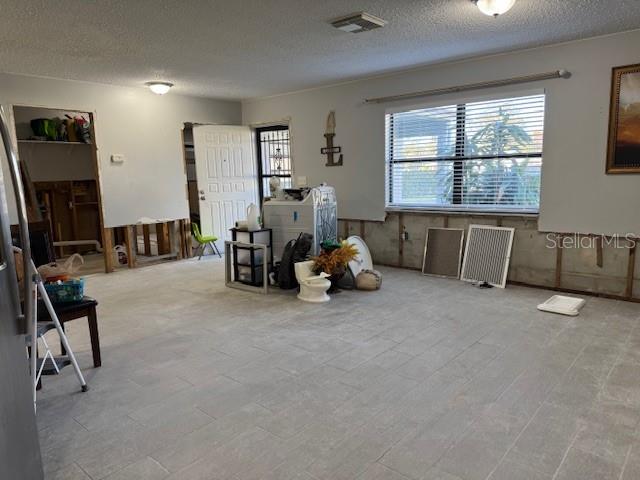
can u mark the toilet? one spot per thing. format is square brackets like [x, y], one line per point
[313, 288]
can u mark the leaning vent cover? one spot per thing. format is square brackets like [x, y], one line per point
[486, 258]
[358, 22]
[443, 252]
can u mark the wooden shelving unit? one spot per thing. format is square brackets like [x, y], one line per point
[71, 208]
[64, 177]
[51, 142]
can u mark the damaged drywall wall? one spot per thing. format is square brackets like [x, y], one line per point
[588, 263]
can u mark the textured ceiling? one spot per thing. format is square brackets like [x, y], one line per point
[248, 48]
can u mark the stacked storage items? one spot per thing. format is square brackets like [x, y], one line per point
[316, 213]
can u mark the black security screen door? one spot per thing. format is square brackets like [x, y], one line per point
[274, 157]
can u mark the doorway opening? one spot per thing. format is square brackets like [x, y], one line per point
[59, 164]
[190, 171]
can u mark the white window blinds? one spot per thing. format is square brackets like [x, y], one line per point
[480, 156]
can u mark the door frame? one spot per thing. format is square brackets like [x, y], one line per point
[183, 145]
[106, 249]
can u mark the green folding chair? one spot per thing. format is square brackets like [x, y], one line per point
[204, 241]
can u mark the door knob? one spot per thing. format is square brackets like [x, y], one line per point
[201, 192]
[202, 197]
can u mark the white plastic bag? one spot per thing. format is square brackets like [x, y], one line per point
[62, 271]
[120, 255]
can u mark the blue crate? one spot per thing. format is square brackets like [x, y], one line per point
[66, 292]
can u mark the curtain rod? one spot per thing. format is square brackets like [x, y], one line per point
[473, 86]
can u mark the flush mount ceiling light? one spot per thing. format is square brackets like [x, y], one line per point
[493, 8]
[159, 88]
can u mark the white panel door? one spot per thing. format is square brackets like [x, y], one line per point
[226, 174]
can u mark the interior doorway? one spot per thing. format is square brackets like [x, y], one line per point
[59, 162]
[190, 170]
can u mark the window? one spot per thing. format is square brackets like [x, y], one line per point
[476, 156]
[274, 158]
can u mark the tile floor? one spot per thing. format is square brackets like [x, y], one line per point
[427, 379]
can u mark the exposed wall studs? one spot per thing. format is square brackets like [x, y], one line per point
[107, 239]
[132, 244]
[558, 281]
[599, 257]
[401, 239]
[554, 284]
[631, 266]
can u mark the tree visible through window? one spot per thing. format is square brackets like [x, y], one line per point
[483, 155]
[274, 157]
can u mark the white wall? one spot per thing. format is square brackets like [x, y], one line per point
[577, 196]
[145, 127]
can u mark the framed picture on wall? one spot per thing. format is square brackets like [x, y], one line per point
[623, 154]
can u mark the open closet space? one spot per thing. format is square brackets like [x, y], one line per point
[58, 159]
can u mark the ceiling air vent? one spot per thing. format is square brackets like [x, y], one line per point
[358, 22]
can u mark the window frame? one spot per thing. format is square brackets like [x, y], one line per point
[261, 174]
[457, 207]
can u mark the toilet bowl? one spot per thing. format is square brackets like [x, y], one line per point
[313, 288]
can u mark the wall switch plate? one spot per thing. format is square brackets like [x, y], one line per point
[302, 181]
[117, 158]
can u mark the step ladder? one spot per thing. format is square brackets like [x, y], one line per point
[48, 364]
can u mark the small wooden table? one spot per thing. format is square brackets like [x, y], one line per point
[72, 311]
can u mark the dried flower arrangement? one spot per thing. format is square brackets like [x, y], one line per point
[334, 257]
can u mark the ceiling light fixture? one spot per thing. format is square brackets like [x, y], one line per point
[493, 8]
[159, 88]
